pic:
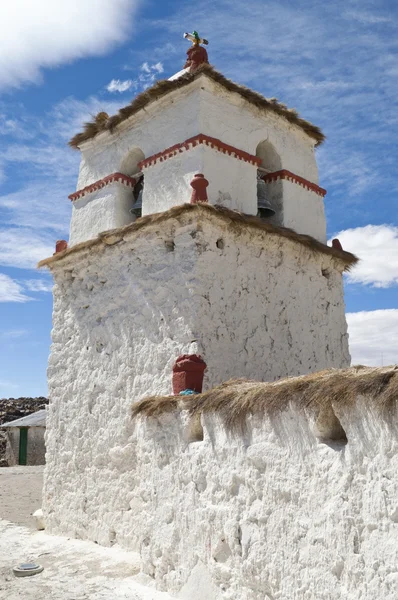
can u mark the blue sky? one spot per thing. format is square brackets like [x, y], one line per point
[336, 63]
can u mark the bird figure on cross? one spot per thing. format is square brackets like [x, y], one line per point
[195, 39]
[197, 55]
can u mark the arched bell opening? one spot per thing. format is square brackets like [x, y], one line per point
[138, 191]
[269, 193]
[129, 166]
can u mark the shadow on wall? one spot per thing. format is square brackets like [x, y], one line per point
[271, 162]
[129, 166]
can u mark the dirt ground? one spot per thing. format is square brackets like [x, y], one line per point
[73, 569]
[20, 494]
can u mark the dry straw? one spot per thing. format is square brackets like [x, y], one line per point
[163, 87]
[235, 400]
[236, 221]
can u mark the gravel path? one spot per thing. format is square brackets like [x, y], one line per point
[20, 494]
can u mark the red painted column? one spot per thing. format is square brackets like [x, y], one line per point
[60, 246]
[199, 185]
[196, 55]
[188, 373]
[337, 244]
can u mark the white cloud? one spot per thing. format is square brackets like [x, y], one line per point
[116, 85]
[24, 248]
[14, 333]
[147, 68]
[47, 33]
[11, 291]
[374, 337]
[367, 18]
[377, 248]
[147, 76]
[338, 71]
[38, 212]
[67, 116]
[38, 285]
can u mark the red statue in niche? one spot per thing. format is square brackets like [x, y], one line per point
[197, 55]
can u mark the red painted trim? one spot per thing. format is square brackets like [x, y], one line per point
[289, 176]
[114, 177]
[196, 141]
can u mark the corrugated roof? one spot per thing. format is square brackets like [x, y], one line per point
[37, 419]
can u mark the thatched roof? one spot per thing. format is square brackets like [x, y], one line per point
[235, 220]
[234, 400]
[163, 87]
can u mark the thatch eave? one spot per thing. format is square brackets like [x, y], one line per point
[235, 400]
[235, 220]
[164, 87]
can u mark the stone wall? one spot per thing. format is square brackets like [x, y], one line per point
[12, 409]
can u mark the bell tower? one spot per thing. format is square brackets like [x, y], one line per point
[197, 227]
[198, 122]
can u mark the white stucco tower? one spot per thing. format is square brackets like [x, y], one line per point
[198, 123]
[168, 256]
[154, 269]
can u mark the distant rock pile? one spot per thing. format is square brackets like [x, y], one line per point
[15, 408]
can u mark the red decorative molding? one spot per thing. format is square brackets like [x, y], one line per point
[197, 140]
[289, 176]
[114, 177]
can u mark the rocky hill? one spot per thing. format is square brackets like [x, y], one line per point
[15, 408]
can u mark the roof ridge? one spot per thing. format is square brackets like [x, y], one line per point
[164, 86]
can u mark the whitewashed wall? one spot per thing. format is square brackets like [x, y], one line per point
[254, 305]
[274, 513]
[202, 107]
[232, 182]
[101, 210]
[303, 210]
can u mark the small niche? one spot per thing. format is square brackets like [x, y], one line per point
[328, 427]
[194, 430]
[326, 273]
[170, 245]
[220, 243]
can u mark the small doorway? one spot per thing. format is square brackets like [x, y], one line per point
[23, 445]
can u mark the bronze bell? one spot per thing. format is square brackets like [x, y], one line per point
[265, 209]
[137, 206]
